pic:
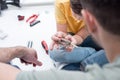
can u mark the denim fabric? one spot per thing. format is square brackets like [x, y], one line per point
[99, 58]
[81, 56]
[88, 53]
[73, 66]
[89, 42]
[76, 55]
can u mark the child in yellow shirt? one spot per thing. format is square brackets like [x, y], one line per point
[68, 21]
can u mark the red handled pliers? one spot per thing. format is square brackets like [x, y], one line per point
[32, 18]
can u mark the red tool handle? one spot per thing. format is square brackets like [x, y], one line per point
[45, 46]
[32, 18]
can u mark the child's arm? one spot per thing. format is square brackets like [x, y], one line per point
[62, 27]
[81, 35]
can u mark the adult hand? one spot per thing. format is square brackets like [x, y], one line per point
[28, 56]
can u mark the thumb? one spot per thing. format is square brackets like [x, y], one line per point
[73, 41]
[38, 63]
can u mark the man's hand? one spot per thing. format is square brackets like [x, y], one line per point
[28, 56]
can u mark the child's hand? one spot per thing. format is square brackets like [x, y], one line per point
[56, 38]
[72, 40]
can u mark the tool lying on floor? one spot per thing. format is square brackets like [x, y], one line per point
[45, 46]
[32, 20]
[66, 42]
[30, 44]
[20, 17]
[34, 23]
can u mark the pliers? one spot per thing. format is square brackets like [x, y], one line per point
[32, 19]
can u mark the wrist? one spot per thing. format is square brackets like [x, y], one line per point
[7, 54]
[18, 51]
[78, 39]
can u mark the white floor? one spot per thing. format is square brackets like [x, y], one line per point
[33, 2]
[19, 32]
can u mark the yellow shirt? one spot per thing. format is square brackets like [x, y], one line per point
[64, 15]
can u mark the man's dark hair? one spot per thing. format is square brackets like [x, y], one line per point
[76, 6]
[107, 13]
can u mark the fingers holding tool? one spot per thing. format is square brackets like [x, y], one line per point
[67, 44]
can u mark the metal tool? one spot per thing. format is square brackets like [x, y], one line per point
[30, 44]
[67, 43]
[34, 23]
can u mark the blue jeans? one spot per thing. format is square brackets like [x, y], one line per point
[80, 57]
[95, 58]
[75, 56]
[98, 57]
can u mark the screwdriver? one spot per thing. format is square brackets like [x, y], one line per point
[30, 43]
[34, 23]
[45, 46]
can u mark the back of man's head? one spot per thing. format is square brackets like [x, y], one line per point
[107, 13]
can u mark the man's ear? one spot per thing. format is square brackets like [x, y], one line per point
[90, 21]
